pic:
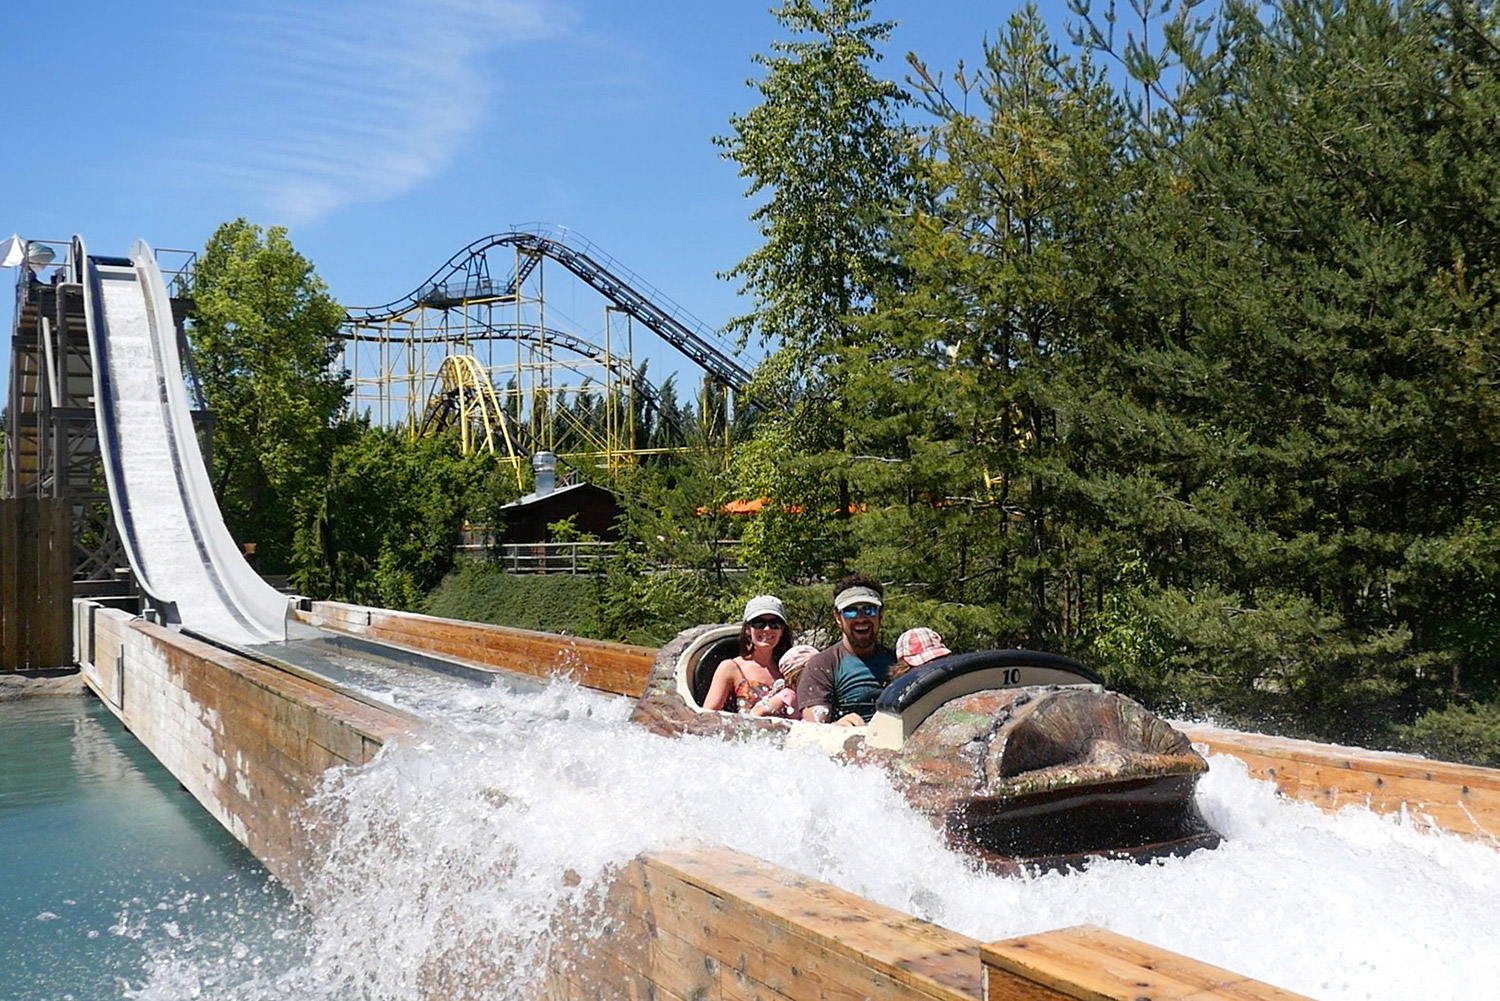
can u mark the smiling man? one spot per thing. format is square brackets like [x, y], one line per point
[842, 683]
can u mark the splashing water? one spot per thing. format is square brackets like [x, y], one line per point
[461, 851]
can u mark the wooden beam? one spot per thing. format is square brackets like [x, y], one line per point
[10, 580]
[611, 667]
[60, 582]
[36, 585]
[838, 933]
[1091, 964]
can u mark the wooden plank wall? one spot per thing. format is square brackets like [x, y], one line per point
[36, 584]
[609, 667]
[1092, 963]
[715, 925]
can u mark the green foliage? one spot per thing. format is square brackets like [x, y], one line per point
[265, 340]
[1193, 377]
[798, 532]
[825, 149]
[390, 514]
[566, 530]
[956, 404]
[646, 605]
[675, 510]
[1344, 216]
[482, 592]
[1465, 732]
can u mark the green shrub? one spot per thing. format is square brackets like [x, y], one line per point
[1464, 732]
[648, 607]
[554, 603]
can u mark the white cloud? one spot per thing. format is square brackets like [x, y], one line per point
[352, 101]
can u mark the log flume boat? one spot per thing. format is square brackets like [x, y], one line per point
[1023, 759]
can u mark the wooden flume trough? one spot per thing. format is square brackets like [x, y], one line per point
[251, 743]
[1463, 799]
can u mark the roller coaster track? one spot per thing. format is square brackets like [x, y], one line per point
[466, 276]
[536, 333]
[466, 400]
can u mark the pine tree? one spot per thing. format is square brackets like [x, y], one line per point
[955, 400]
[1318, 271]
[826, 151]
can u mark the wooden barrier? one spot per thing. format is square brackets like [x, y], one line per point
[1097, 965]
[608, 667]
[721, 926]
[1464, 799]
[36, 583]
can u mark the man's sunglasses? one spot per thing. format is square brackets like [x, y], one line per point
[765, 623]
[856, 611]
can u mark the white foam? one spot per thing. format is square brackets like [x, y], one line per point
[459, 852]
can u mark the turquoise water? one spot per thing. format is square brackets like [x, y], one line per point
[107, 864]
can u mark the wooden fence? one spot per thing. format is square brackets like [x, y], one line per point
[36, 584]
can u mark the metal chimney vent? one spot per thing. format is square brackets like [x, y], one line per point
[544, 464]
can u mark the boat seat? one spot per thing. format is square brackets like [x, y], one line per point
[911, 698]
[708, 661]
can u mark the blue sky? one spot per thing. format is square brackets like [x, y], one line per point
[388, 134]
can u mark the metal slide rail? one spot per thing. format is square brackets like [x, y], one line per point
[467, 270]
[184, 559]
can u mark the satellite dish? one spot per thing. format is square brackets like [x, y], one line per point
[39, 256]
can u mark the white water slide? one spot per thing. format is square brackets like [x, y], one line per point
[183, 556]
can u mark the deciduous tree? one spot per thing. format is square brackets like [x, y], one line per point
[265, 337]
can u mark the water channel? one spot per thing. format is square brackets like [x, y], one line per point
[522, 802]
[106, 862]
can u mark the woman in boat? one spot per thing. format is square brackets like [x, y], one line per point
[746, 679]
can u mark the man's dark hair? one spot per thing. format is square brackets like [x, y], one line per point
[858, 580]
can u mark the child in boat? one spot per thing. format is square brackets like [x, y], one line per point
[781, 700]
[748, 678]
[916, 647]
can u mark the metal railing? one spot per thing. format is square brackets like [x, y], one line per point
[177, 267]
[572, 557]
[555, 557]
